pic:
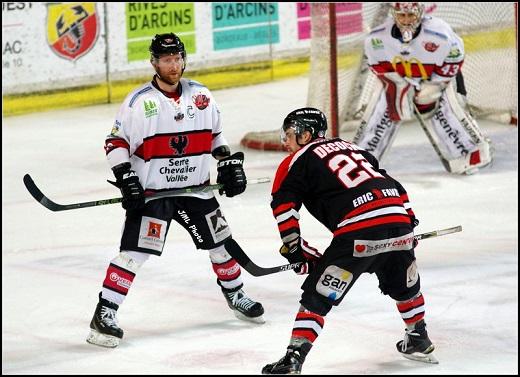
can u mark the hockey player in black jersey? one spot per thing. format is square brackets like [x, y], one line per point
[371, 220]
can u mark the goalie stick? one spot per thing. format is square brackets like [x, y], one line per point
[47, 203]
[449, 165]
[234, 249]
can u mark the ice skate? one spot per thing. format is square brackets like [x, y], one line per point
[104, 329]
[291, 363]
[243, 307]
[416, 345]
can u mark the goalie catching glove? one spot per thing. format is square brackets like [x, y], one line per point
[300, 251]
[231, 174]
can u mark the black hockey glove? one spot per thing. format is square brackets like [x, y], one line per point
[300, 251]
[128, 182]
[230, 173]
[415, 222]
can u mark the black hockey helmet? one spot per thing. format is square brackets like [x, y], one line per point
[306, 119]
[167, 44]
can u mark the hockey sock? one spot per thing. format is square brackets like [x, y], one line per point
[226, 268]
[412, 310]
[120, 275]
[307, 327]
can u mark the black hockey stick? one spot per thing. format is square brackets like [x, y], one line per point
[47, 203]
[448, 164]
[234, 249]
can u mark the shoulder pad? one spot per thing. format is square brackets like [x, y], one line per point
[138, 93]
[195, 83]
[436, 33]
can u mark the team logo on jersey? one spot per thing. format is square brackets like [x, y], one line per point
[201, 101]
[150, 108]
[430, 46]
[178, 143]
[407, 66]
[72, 29]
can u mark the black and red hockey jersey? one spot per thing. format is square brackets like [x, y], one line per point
[342, 186]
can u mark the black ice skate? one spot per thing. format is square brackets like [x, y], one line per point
[291, 363]
[416, 345]
[105, 331]
[243, 307]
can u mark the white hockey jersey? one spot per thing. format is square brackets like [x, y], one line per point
[435, 54]
[168, 143]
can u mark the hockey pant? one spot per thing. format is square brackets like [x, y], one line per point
[455, 132]
[123, 268]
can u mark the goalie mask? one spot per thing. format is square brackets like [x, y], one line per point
[305, 119]
[167, 44]
[407, 26]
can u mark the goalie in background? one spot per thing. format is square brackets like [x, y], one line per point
[371, 221]
[418, 61]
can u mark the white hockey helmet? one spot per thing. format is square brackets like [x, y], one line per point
[416, 9]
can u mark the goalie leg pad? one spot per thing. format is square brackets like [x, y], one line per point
[459, 137]
[376, 131]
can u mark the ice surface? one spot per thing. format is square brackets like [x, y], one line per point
[175, 319]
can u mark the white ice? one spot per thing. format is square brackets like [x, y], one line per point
[175, 318]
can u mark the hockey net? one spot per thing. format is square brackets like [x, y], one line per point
[490, 69]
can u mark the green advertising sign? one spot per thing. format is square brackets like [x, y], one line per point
[144, 20]
[231, 20]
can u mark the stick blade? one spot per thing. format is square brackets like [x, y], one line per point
[38, 195]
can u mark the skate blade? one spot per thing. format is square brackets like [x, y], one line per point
[260, 319]
[102, 340]
[425, 358]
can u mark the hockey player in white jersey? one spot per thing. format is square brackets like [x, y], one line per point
[164, 137]
[418, 61]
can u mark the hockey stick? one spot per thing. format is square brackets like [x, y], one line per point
[234, 249]
[448, 164]
[47, 203]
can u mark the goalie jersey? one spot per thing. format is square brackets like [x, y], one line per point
[169, 142]
[435, 54]
[342, 186]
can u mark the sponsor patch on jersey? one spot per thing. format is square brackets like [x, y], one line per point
[150, 108]
[377, 44]
[218, 225]
[115, 128]
[334, 282]
[152, 233]
[412, 275]
[368, 248]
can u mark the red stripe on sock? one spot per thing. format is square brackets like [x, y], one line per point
[407, 305]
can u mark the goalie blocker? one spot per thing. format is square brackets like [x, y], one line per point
[456, 135]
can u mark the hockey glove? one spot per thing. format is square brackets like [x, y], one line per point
[300, 251]
[128, 182]
[231, 174]
[415, 222]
